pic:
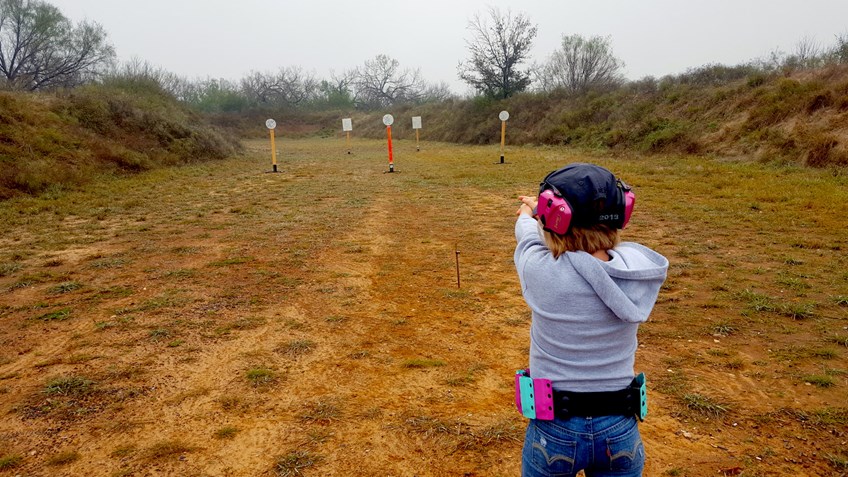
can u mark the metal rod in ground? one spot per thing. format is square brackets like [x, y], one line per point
[457, 269]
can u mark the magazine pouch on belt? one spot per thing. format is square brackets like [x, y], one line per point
[533, 397]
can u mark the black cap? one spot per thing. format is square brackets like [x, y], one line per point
[594, 194]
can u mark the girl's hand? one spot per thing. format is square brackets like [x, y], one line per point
[528, 205]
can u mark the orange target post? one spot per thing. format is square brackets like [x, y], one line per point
[388, 120]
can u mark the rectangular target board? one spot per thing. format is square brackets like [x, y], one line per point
[416, 124]
[347, 127]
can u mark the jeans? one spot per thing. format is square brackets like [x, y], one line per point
[602, 446]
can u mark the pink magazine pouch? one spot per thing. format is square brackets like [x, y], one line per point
[534, 398]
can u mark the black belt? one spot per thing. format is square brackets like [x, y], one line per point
[625, 402]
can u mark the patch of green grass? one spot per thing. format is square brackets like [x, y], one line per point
[231, 261]
[705, 405]
[723, 329]
[820, 380]
[824, 353]
[226, 432]
[185, 250]
[838, 461]
[181, 273]
[30, 280]
[829, 416]
[423, 363]
[167, 448]
[159, 334]
[321, 411]
[63, 458]
[9, 268]
[123, 450]
[840, 340]
[841, 300]
[10, 461]
[260, 376]
[335, 319]
[469, 377]
[296, 348]
[64, 287]
[798, 311]
[108, 262]
[69, 386]
[792, 282]
[757, 301]
[294, 462]
[58, 315]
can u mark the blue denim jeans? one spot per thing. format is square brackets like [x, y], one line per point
[602, 446]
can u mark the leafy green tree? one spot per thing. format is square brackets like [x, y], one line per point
[497, 47]
[40, 48]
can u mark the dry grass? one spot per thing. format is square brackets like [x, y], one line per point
[317, 310]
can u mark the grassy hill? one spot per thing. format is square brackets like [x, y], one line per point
[54, 141]
[723, 111]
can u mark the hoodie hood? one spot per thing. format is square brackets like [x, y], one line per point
[629, 283]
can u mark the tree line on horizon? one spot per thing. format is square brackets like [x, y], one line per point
[41, 49]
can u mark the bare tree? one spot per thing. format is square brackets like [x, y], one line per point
[337, 90]
[40, 48]
[497, 49]
[381, 82]
[289, 87]
[580, 64]
[807, 53]
[435, 92]
[838, 53]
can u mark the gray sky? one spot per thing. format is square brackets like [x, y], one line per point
[229, 38]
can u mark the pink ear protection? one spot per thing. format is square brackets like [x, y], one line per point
[555, 213]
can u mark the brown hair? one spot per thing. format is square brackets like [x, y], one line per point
[588, 239]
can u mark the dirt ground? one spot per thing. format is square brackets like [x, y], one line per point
[219, 320]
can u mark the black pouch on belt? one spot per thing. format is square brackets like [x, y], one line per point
[632, 400]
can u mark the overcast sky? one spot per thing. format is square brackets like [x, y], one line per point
[230, 38]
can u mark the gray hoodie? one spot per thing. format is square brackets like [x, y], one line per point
[585, 311]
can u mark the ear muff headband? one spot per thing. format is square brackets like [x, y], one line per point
[553, 210]
[556, 214]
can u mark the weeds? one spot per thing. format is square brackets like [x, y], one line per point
[296, 348]
[69, 386]
[65, 287]
[820, 380]
[260, 376]
[58, 315]
[63, 458]
[321, 412]
[704, 405]
[226, 432]
[10, 461]
[294, 462]
[168, 448]
[423, 363]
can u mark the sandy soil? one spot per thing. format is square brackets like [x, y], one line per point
[217, 320]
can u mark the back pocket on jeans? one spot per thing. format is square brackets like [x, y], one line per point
[552, 455]
[626, 452]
